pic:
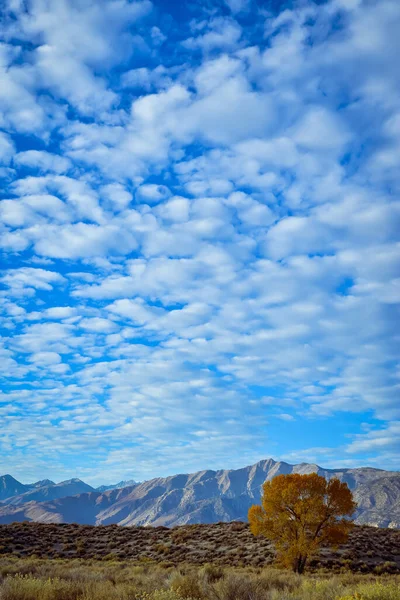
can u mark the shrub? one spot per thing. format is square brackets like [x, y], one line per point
[26, 587]
[375, 591]
[211, 573]
[239, 586]
[162, 595]
[186, 586]
[320, 589]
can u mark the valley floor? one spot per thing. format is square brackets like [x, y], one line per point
[86, 579]
[369, 549]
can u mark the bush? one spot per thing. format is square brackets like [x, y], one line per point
[26, 587]
[375, 591]
[237, 586]
[83, 579]
[186, 586]
[211, 573]
[320, 589]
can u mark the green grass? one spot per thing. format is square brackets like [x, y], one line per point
[79, 579]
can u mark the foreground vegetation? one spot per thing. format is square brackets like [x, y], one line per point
[79, 579]
[368, 550]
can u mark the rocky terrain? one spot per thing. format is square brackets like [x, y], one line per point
[11, 487]
[116, 486]
[50, 491]
[201, 497]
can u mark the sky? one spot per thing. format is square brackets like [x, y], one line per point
[199, 233]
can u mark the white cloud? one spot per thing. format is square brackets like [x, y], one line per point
[97, 325]
[220, 33]
[45, 358]
[82, 240]
[15, 214]
[285, 417]
[59, 312]
[135, 310]
[73, 38]
[118, 197]
[381, 439]
[46, 205]
[297, 235]
[79, 195]
[146, 79]
[6, 149]
[43, 161]
[321, 130]
[25, 279]
[70, 79]
[20, 109]
[152, 193]
[249, 211]
[221, 231]
[175, 210]
[238, 5]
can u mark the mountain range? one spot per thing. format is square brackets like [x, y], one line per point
[201, 497]
[116, 486]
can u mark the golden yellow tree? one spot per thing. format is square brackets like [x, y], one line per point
[299, 513]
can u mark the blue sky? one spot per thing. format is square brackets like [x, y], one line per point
[200, 225]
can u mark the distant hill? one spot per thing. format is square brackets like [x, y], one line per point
[379, 502]
[201, 497]
[42, 483]
[116, 486]
[10, 487]
[50, 491]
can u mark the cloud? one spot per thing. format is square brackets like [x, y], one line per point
[117, 196]
[45, 358]
[82, 240]
[26, 279]
[152, 193]
[70, 39]
[237, 6]
[97, 324]
[59, 312]
[43, 161]
[199, 228]
[6, 149]
[220, 32]
[320, 130]
[386, 439]
[21, 110]
[78, 194]
[296, 235]
[146, 79]
[285, 417]
[87, 31]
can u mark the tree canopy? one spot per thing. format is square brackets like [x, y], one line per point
[299, 513]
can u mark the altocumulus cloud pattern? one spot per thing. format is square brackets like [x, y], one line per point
[200, 235]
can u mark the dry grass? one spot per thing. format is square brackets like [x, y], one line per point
[225, 544]
[79, 579]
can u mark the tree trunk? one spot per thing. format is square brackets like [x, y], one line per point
[299, 564]
[302, 564]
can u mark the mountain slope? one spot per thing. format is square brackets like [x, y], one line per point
[51, 491]
[202, 497]
[42, 483]
[10, 487]
[379, 502]
[116, 486]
